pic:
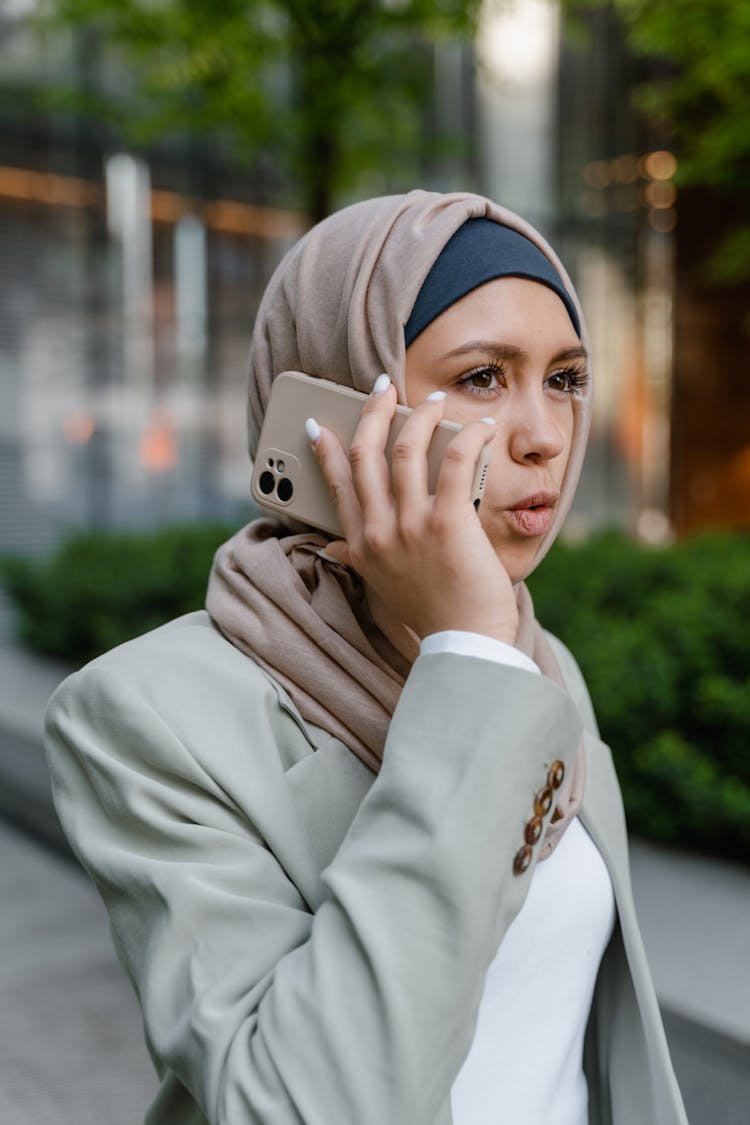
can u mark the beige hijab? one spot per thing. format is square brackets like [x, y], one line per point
[336, 308]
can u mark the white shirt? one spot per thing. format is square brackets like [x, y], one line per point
[525, 1064]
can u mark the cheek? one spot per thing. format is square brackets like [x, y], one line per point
[567, 428]
[417, 386]
[499, 487]
[462, 407]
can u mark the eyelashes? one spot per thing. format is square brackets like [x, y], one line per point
[571, 380]
[489, 371]
[576, 379]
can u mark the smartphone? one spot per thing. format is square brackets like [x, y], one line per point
[286, 477]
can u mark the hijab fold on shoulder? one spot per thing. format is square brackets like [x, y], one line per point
[336, 308]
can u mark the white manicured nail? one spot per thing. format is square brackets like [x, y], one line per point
[382, 383]
[436, 396]
[489, 421]
[312, 429]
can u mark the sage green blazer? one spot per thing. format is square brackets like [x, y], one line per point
[308, 942]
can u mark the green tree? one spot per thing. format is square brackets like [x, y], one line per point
[701, 94]
[327, 89]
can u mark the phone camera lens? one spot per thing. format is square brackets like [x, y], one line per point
[285, 489]
[266, 483]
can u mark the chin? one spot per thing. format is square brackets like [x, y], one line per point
[517, 553]
[518, 560]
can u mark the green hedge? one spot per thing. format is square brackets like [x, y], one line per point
[98, 590]
[662, 638]
[661, 635]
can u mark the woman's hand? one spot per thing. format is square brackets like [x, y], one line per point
[427, 557]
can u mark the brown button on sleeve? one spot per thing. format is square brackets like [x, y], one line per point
[533, 830]
[522, 860]
[556, 774]
[543, 802]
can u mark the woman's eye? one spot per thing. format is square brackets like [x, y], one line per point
[569, 381]
[560, 381]
[482, 380]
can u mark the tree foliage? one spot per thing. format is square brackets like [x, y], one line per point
[701, 95]
[326, 89]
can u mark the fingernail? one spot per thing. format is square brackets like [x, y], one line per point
[382, 383]
[323, 554]
[436, 396]
[312, 429]
[489, 421]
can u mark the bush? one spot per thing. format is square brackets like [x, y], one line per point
[98, 590]
[661, 636]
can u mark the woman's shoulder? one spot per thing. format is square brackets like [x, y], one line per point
[182, 654]
[186, 679]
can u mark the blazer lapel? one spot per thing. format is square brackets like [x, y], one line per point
[602, 812]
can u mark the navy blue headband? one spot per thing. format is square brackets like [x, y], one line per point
[481, 250]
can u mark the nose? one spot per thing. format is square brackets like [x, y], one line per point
[535, 435]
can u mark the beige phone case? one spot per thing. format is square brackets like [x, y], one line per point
[286, 477]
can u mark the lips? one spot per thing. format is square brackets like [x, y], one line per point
[533, 515]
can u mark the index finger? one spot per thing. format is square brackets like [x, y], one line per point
[337, 473]
[369, 467]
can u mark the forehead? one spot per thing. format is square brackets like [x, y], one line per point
[515, 309]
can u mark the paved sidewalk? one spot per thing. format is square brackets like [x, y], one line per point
[72, 1051]
[695, 919]
[71, 1044]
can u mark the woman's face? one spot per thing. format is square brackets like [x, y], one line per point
[508, 350]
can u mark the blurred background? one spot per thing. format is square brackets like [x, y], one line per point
[156, 161]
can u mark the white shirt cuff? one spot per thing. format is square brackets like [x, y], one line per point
[477, 644]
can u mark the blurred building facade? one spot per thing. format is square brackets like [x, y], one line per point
[128, 288]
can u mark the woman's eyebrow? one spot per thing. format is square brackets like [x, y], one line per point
[500, 350]
[489, 347]
[578, 352]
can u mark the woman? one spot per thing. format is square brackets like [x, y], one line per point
[362, 849]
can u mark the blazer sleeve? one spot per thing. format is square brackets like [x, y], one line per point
[267, 1012]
